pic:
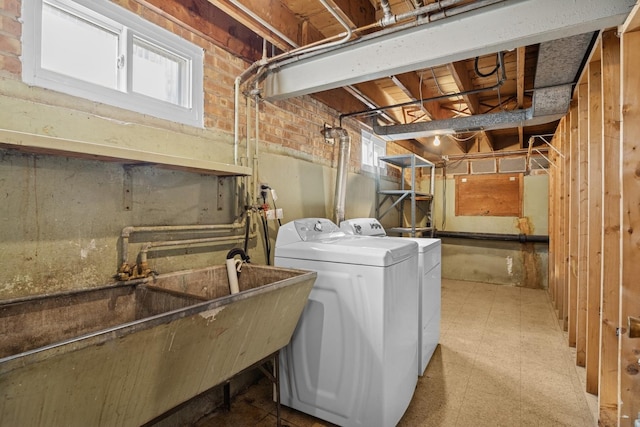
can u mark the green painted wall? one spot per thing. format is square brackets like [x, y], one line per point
[508, 263]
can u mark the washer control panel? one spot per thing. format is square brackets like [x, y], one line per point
[317, 229]
[363, 227]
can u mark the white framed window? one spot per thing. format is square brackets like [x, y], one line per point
[100, 51]
[373, 148]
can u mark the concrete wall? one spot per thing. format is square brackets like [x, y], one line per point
[508, 263]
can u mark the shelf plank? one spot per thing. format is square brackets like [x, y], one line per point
[44, 144]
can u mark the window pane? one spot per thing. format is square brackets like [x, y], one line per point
[158, 73]
[78, 48]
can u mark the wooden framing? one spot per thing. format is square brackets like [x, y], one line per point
[566, 212]
[630, 236]
[594, 238]
[583, 223]
[610, 304]
[594, 221]
[574, 192]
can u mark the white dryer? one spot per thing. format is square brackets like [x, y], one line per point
[351, 360]
[429, 300]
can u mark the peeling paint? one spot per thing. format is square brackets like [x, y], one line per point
[210, 315]
[510, 266]
[84, 252]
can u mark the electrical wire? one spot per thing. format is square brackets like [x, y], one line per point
[463, 139]
[265, 227]
[492, 72]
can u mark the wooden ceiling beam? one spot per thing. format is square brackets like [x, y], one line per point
[410, 84]
[272, 11]
[379, 97]
[339, 100]
[460, 75]
[520, 62]
[488, 139]
[356, 13]
[208, 21]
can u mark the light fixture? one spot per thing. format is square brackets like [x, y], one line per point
[436, 140]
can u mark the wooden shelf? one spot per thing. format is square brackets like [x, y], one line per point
[44, 144]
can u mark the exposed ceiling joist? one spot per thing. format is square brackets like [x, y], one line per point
[208, 21]
[470, 34]
[520, 64]
[255, 14]
[415, 90]
[460, 75]
[379, 97]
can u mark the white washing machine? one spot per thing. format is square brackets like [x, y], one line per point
[351, 360]
[429, 272]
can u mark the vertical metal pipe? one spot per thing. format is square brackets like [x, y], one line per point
[341, 176]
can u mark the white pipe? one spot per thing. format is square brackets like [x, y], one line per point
[341, 176]
[127, 231]
[256, 148]
[168, 243]
[233, 276]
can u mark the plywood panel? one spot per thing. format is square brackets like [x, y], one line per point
[583, 223]
[489, 195]
[608, 392]
[630, 168]
[594, 241]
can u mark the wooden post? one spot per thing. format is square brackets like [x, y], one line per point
[553, 178]
[559, 220]
[583, 223]
[594, 236]
[574, 200]
[608, 392]
[630, 169]
[566, 214]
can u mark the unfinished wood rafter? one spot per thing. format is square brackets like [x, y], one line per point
[460, 75]
[411, 83]
[208, 22]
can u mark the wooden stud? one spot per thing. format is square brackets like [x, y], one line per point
[594, 236]
[561, 285]
[574, 193]
[630, 169]
[609, 384]
[566, 214]
[583, 223]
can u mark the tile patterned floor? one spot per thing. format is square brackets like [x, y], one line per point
[502, 361]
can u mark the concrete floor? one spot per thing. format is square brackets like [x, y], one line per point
[502, 361]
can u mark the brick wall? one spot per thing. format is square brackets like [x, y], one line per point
[10, 31]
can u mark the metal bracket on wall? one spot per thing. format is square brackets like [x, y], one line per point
[220, 197]
[127, 188]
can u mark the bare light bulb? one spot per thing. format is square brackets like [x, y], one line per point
[436, 140]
